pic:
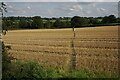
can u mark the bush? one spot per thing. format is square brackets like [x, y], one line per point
[33, 70]
[6, 62]
[24, 70]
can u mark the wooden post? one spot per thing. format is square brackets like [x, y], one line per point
[73, 54]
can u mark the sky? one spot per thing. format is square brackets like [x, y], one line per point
[61, 8]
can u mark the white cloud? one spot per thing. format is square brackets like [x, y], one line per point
[76, 7]
[71, 9]
[102, 9]
[94, 5]
[28, 7]
[23, 12]
[88, 12]
[10, 6]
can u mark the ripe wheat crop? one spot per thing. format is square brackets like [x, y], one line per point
[96, 48]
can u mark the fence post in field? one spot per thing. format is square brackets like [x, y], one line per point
[73, 53]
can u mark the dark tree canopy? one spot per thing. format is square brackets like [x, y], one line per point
[109, 19]
[63, 22]
[77, 21]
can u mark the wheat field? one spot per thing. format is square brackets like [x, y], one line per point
[96, 47]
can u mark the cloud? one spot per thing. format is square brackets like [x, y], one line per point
[61, 9]
[10, 6]
[77, 7]
[28, 7]
[71, 9]
[102, 9]
[88, 12]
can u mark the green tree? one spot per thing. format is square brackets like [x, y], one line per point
[37, 22]
[58, 23]
[77, 21]
[118, 20]
[112, 19]
[23, 24]
[47, 24]
[68, 23]
[109, 19]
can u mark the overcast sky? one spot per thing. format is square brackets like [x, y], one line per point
[68, 8]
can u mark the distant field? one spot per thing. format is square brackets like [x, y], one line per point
[96, 48]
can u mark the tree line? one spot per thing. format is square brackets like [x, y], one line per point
[37, 22]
